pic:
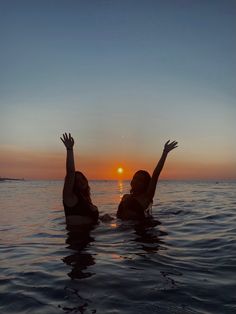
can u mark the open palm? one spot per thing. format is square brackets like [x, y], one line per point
[67, 140]
[170, 145]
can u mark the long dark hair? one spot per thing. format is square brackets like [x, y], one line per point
[82, 194]
[146, 180]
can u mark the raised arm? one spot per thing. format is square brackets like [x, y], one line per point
[70, 166]
[155, 176]
[69, 143]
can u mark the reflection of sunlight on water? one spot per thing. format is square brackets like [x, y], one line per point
[110, 256]
[120, 188]
[113, 225]
[116, 256]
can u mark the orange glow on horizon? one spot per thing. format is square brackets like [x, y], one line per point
[29, 164]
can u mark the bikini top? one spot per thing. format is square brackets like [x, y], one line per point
[82, 208]
[130, 208]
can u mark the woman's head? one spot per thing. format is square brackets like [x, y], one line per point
[140, 182]
[81, 186]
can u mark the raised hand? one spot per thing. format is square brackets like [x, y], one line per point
[169, 146]
[68, 141]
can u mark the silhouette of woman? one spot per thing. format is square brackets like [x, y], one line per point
[143, 186]
[78, 207]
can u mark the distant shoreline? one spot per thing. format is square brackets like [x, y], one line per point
[11, 179]
[125, 180]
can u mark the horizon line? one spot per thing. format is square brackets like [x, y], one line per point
[118, 179]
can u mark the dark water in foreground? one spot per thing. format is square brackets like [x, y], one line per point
[186, 264]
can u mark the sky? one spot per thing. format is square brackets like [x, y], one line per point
[123, 77]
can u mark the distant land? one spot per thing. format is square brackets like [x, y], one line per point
[12, 179]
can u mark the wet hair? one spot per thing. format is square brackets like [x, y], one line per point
[85, 194]
[146, 180]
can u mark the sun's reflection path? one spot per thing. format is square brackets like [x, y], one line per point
[120, 188]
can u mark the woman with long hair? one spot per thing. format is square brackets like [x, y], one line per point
[143, 186]
[78, 206]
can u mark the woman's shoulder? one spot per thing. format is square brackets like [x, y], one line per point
[143, 199]
[125, 197]
[93, 208]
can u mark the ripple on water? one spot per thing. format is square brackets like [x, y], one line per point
[186, 264]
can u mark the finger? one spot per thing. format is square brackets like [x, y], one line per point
[62, 140]
[71, 139]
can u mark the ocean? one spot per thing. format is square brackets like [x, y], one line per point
[183, 263]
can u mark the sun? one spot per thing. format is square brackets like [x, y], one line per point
[120, 170]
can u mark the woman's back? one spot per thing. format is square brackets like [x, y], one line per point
[130, 208]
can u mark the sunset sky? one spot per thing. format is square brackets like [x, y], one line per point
[123, 76]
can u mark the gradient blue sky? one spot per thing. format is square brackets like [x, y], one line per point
[123, 76]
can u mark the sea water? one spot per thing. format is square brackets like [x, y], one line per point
[184, 262]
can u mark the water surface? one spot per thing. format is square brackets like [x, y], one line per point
[186, 263]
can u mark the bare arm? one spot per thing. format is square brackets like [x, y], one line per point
[156, 173]
[70, 167]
